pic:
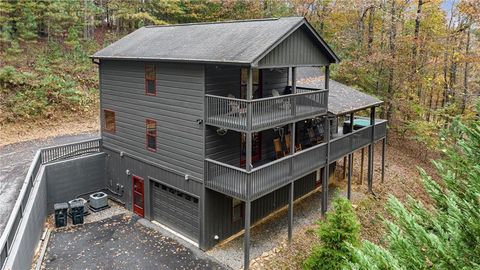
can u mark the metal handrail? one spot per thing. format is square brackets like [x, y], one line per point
[16, 216]
[313, 148]
[267, 98]
[226, 165]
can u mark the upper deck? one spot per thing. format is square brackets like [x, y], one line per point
[257, 114]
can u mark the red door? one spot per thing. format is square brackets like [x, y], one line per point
[138, 198]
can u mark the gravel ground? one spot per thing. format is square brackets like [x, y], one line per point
[270, 234]
[15, 160]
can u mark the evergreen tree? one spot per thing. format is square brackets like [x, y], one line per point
[338, 233]
[447, 234]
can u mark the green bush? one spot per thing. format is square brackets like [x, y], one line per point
[338, 233]
[445, 235]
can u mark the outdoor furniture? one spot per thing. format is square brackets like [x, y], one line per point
[283, 104]
[235, 108]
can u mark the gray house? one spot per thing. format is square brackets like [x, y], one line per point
[207, 131]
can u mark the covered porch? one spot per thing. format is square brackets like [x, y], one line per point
[306, 146]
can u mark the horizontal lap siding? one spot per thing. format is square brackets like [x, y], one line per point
[176, 108]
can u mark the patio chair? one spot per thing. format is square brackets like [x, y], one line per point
[283, 104]
[235, 108]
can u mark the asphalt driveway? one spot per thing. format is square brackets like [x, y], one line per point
[15, 160]
[120, 242]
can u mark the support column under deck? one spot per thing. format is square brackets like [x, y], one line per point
[327, 139]
[248, 167]
[290, 211]
[246, 236]
[383, 158]
[371, 149]
[292, 151]
[350, 169]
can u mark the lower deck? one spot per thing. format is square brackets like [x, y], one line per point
[269, 172]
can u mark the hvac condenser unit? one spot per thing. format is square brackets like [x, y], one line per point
[98, 200]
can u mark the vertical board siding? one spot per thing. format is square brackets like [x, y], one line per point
[218, 216]
[116, 174]
[300, 48]
[274, 79]
[222, 80]
[176, 108]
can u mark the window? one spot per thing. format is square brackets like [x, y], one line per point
[237, 210]
[109, 121]
[151, 130]
[150, 80]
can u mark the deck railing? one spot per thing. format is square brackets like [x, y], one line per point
[257, 114]
[239, 183]
[70, 150]
[43, 156]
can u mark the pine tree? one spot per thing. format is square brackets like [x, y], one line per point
[447, 234]
[338, 233]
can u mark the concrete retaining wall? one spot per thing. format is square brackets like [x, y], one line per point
[31, 227]
[70, 178]
[56, 182]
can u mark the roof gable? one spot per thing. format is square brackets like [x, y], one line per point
[300, 48]
[235, 42]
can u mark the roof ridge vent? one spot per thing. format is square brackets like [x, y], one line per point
[220, 22]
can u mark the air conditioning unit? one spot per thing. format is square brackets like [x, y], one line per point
[77, 202]
[98, 201]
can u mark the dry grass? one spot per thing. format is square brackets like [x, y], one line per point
[401, 179]
[39, 129]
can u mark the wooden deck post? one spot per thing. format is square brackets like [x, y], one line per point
[361, 165]
[344, 167]
[383, 158]
[290, 211]
[327, 139]
[248, 167]
[292, 151]
[248, 134]
[350, 169]
[246, 237]
[371, 149]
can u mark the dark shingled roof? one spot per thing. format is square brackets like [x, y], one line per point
[342, 99]
[234, 42]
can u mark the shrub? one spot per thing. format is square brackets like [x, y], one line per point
[338, 233]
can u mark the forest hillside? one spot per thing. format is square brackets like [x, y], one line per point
[420, 57]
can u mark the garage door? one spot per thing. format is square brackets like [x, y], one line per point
[175, 209]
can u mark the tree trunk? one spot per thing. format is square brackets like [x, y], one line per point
[371, 16]
[415, 47]
[465, 73]
[392, 38]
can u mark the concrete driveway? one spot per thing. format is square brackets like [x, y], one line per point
[15, 160]
[120, 242]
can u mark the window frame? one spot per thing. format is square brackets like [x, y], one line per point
[147, 134]
[154, 80]
[104, 126]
